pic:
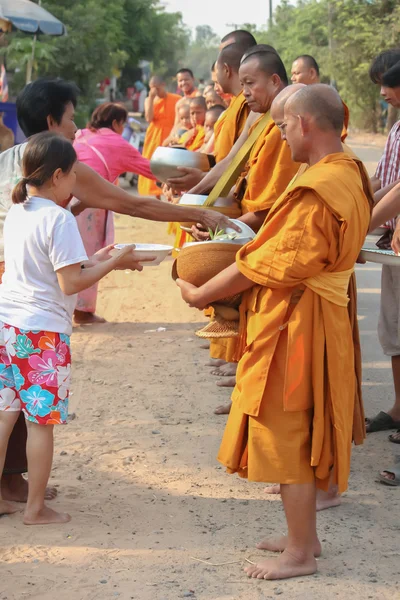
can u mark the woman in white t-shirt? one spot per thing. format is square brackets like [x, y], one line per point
[45, 268]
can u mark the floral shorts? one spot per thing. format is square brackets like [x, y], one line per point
[35, 371]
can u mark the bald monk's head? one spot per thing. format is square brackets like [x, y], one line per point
[262, 76]
[198, 109]
[278, 105]
[212, 99]
[305, 70]
[239, 36]
[157, 83]
[314, 118]
[227, 66]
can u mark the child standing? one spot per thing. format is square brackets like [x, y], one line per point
[45, 267]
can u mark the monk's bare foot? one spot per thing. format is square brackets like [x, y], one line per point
[215, 362]
[286, 566]
[7, 508]
[279, 544]
[228, 382]
[327, 501]
[86, 318]
[224, 409]
[227, 370]
[273, 489]
[45, 516]
[205, 346]
[14, 488]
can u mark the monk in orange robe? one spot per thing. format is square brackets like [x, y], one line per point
[293, 406]
[186, 84]
[231, 123]
[160, 113]
[267, 173]
[194, 138]
[305, 70]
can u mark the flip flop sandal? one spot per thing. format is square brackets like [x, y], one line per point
[381, 422]
[395, 437]
[394, 471]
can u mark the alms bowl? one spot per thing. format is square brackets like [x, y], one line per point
[165, 162]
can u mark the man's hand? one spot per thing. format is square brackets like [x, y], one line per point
[190, 178]
[190, 294]
[212, 219]
[153, 93]
[200, 234]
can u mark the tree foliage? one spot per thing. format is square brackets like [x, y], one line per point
[102, 36]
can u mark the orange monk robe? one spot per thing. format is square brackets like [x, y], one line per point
[193, 139]
[229, 126]
[346, 122]
[268, 172]
[293, 406]
[158, 130]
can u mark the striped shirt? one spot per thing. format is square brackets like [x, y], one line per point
[388, 169]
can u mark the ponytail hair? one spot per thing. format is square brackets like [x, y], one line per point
[44, 154]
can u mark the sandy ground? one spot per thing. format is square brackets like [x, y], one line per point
[137, 470]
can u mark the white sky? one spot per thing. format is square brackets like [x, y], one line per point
[219, 13]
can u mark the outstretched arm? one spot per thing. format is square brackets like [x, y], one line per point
[95, 192]
[387, 208]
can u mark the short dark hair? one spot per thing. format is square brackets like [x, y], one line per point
[199, 101]
[217, 109]
[106, 114]
[41, 99]
[184, 70]
[310, 62]
[44, 154]
[239, 36]
[385, 68]
[269, 61]
[233, 53]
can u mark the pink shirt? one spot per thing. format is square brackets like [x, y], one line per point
[107, 153]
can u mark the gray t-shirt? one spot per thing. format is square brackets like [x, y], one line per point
[10, 175]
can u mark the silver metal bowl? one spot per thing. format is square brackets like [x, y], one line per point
[199, 200]
[165, 161]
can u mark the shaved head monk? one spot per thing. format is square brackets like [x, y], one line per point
[186, 84]
[239, 36]
[232, 123]
[159, 110]
[305, 70]
[292, 414]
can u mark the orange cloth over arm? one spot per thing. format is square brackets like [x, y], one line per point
[318, 226]
[158, 130]
[197, 141]
[229, 126]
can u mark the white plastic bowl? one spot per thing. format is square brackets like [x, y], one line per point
[245, 232]
[157, 251]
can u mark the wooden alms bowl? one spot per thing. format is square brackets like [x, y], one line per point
[198, 263]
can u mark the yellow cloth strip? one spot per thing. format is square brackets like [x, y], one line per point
[226, 181]
[331, 286]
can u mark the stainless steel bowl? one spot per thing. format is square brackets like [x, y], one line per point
[165, 161]
[199, 200]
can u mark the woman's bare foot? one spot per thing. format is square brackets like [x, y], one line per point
[224, 409]
[228, 382]
[286, 566]
[279, 545]
[7, 508]
[226, 370]
[84, 318]
[14, 488]
[273, 489]
[45, 516]
[215, 362]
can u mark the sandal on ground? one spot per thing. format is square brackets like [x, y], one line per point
[393, 471]
[395, 437]
[381, 422]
